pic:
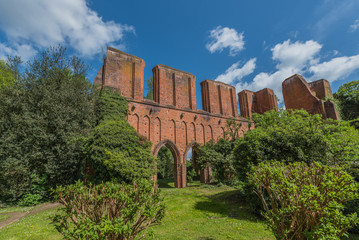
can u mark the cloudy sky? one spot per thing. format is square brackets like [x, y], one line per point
[249, 44]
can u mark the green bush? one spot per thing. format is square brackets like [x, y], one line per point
[108, 210]
[165, 164]
[297, 136]
[30, 200]
[219, 156]
[114, 150]
[45, 113]
[305, 202]
[348, 97]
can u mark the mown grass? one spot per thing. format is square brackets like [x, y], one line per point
[33, 227]
[4, 217]
[206, 212]
[15, 209]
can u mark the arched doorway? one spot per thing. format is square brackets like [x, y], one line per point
[192, 169]
[179, 181]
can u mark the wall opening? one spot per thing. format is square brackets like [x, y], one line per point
[165, 167]
[192, 169]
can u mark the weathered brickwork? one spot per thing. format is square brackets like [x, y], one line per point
[298, 94]
[219, 98]
[257, 102]
[172, 118]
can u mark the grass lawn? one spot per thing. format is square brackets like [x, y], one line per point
[4, 217]
[34, 227]
[15, 209]
[197, 212]
[206, 212]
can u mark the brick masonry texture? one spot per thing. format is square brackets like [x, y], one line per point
[257, 102]
[298, 94]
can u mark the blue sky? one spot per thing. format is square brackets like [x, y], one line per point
[249, 44]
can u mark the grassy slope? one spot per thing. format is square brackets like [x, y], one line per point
[206, 212]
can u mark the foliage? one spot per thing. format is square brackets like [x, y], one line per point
[305, 202]
[219, 156]
[108, 210]
[44, 117]
[149, 83]
[7, 77]
[165, 164]
[114, 150]
[297, 136]
[348, 96]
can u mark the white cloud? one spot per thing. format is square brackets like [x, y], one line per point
[294, 55]
[24, 50]
[291, 58]
[41, 23]
[235, 73]
[224, 37]
[301, 58]
[335, 69]
[355, 25]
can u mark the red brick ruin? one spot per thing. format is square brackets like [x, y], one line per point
[312, 97]
[172, 119]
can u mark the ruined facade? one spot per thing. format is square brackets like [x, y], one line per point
[257, 102]
[312, 97]
[172, 118]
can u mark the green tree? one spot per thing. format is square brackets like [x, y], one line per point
[297, 136]
[348, 96]
[114, 150]
[43, 120]
[149, 83]
[305, 202]
[7, 77]
[165, 164]
[219, 156]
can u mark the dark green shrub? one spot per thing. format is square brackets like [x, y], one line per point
[114, 150]
[165, 164]
[108, 211]
[219, 156]
[348, 97]
[30, 200]
[45, 113]
[297, 136]
[305, 202]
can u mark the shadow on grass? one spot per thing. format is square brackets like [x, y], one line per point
[228, 204]
[165, 183]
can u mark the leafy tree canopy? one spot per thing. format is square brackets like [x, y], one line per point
[348, 96]
[114, 150]
[7, 77]
[43, 120]
[297, 136]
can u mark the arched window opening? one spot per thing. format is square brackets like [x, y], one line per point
[165, 167]
[193, 171]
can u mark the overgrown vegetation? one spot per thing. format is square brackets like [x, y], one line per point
[304, 201]
[297, 136]
[288, 137]
[114, 150]
[108, 211]
[45, 113]
[348, 97]
[165, 164]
